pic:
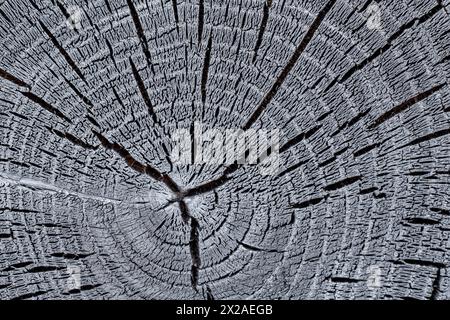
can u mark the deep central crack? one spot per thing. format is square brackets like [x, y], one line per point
[179, 194]
[194, 242]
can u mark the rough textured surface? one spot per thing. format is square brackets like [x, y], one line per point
[86, 180]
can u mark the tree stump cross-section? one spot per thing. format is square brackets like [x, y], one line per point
[93, 204]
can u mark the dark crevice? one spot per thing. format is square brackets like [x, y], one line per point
[143, 92]
[62, 9]
[17, 266]
[19, 210]
[136, 165]
[436, 286]
[92, 121]
[344, 280]
[209, 295]
[185, 215]
[83, 288]
[325, 115]
[64, 12]
[6, 17]
[290, 65]
[224, 178]
[366, 5]
[445, 212]
[262, 28]
[417, 173]
[35, 5]
[385, 48]
[45, 105]
[108, 5]
[422, 221]
[140, 32]
[193, 143]
[342, 184]
[443, 60]
[9, 77]
[365, 150]
[351, 122]
[300, 137]
[44, 269]
[308, 203]
[424, 263]
[194, 248]
[205, 71]
[368, 190]
[256, 249]
[194, 242]
[18, 163]
[71, 138]
[404, 106]
[29, 295]
[175, 12]
[201, 18]
[357, 118]
[380, 195]
[79, 94]
[429, 137]
[63, 52]
[71, 256]
[293, 218]
[21, 116]
[3, 286]
[207, 187]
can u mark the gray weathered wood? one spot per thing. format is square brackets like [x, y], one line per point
[91, 91]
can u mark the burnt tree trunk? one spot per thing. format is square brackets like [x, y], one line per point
[92, 204]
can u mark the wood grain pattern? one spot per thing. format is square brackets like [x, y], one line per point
[360, 205]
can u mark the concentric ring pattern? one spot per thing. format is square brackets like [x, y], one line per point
[93, 206]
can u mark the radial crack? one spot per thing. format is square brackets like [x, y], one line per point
[175, 12]
[65, 13]
[308, 203]
[428, 137]
[140, 32]
[194, 243]
[136, 165]
[201, 14]
[71, 138]
[63, 52]
[79, 94]
[143, 92]
[342, 184]
[290, 65]
[386, 47]
[45, 105]
[9, 77]
[300, 137]
[436, 287]
[257, 249]
[404, 106]
[262, 28]
[205, 72]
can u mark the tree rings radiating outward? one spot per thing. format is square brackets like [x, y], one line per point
[93, 205]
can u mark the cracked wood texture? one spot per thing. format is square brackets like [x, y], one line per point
[86, 179]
